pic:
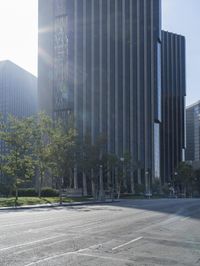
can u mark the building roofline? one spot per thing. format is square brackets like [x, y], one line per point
[192, 105]
[9, 62]
[173, 33]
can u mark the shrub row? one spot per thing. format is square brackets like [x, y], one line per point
[28, 192]
[31, 192]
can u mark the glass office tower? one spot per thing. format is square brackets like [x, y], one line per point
[101, 61]
[173, 104]
[193, 132]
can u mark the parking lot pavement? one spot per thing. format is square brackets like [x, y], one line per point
[142, 232]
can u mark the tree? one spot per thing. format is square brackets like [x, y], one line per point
[18, 163]
[61, 148]
[184, 178]
[42, 132]
[89, 160]
[196, 182]
[110, 162]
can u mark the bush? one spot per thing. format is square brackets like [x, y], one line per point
[139, 189]
[156, 187]
[26, 192]
[4, 190]
[165, 189]
[49, 192]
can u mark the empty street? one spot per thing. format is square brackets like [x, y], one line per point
[139, 232]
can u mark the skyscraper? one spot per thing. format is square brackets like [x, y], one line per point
[173, 104]
[101, 61]
[193, 132]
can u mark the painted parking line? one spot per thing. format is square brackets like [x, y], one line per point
[186, 218]
[62, 255]
[127, 243]
[31, 243]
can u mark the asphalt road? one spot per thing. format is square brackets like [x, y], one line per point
[148, 232]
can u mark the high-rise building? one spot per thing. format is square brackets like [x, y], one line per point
[173, 104]
[18, 94]
[18, 91]
[100, 60]
[193, 132]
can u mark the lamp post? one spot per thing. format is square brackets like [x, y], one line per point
[122, 160]
[175, 174]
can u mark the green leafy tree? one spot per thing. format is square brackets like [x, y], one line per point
[184, 177]
[42, 132]
[110, 162]
[61, 148]
[89, 159]
[18, 163]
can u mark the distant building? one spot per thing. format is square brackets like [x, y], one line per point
[173, 104]
[193, 132]
[18, 93]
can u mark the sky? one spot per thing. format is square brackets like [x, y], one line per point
[18, 32]
[18, 35]
[183, 17]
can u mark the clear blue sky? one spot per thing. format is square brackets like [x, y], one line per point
[18, 31]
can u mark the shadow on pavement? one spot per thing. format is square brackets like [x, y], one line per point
[181, 207]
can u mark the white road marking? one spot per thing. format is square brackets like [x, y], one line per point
[127, 243]
[104, 257]
[30, 243]
[62, 255]
[46, 245]
[184, 219]
[26, 223]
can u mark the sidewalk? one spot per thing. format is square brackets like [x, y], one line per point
[56, 205]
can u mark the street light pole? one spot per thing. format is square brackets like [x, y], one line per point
[175, 174]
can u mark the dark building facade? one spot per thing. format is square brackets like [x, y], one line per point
[173, 104]
[101, 60]
[193, 132]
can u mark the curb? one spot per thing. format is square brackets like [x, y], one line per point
[56, 205]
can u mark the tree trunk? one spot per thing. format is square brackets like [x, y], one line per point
[101, 188]
[109, 181]
[119, 190]
[16, 195]
[116, 179]
[93, 184]
[84, 185]
[132, 183]
[70, 178]
[75, 178]
[60, 195]
[139, 177]
[40, 184]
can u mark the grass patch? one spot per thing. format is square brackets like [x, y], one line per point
[10, 202]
